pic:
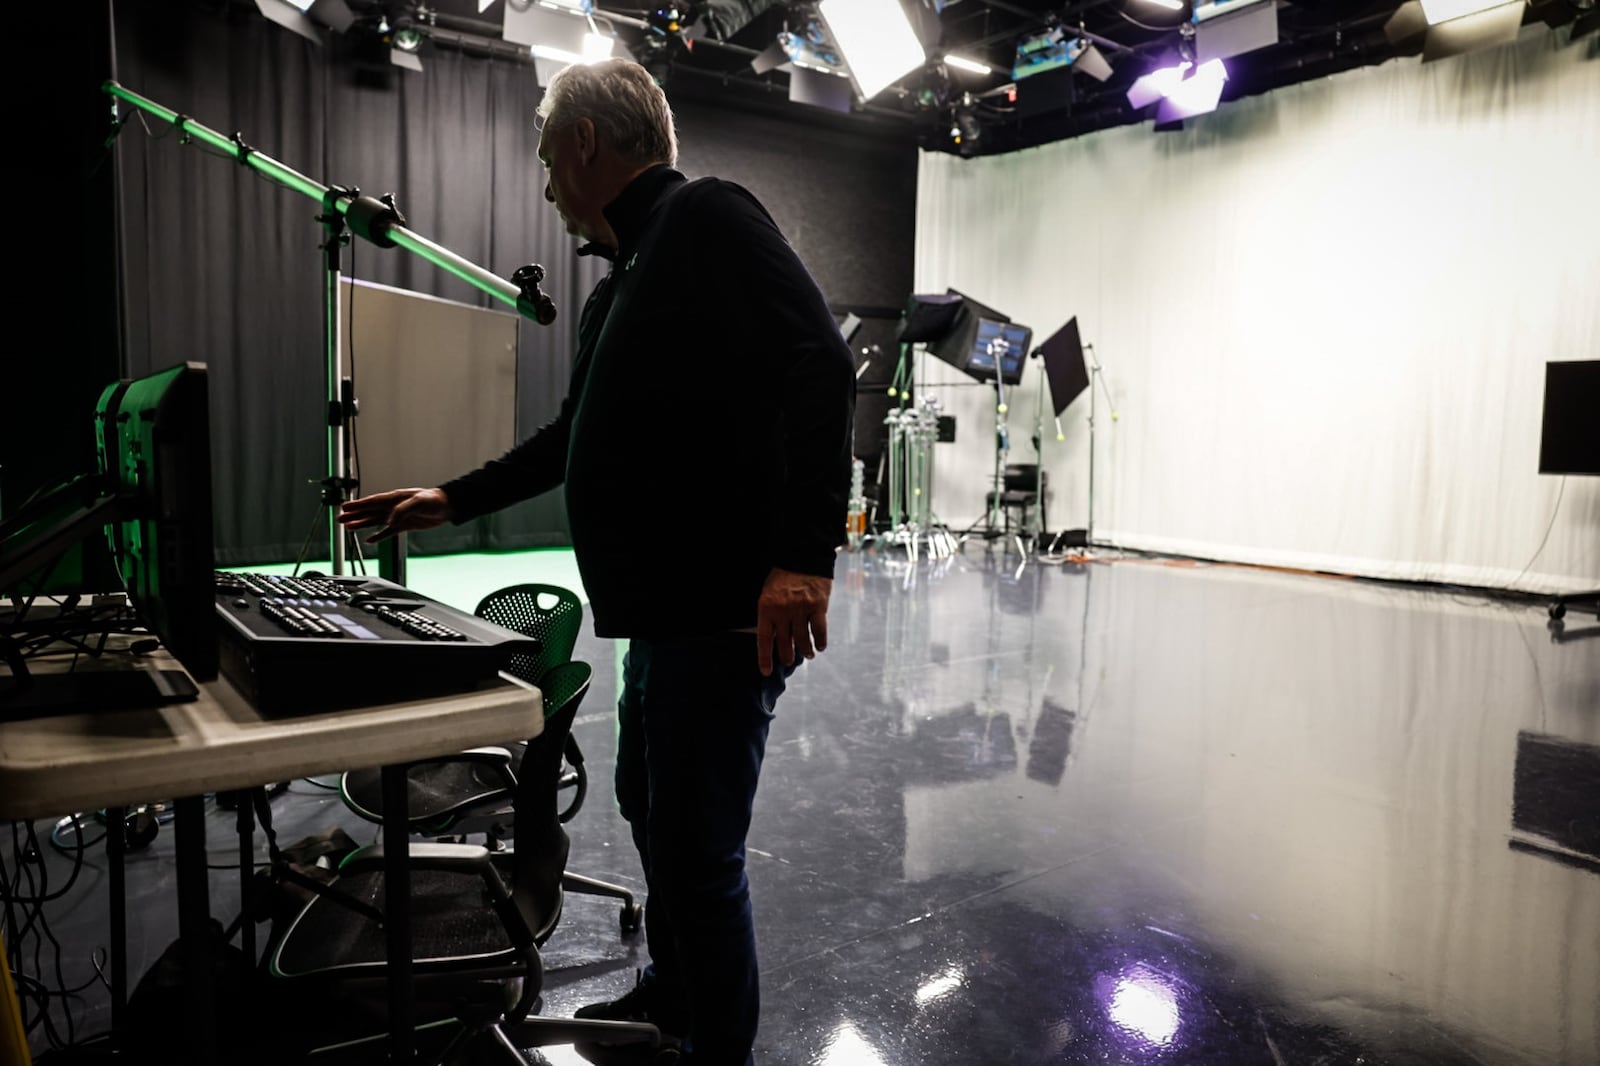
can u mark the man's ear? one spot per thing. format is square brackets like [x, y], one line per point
[588, 146]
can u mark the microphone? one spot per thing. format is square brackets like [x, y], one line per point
[534, 301]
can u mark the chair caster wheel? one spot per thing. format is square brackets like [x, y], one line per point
[1558, 610]
[632, 917]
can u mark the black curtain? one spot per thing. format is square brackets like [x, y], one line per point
[222, 265]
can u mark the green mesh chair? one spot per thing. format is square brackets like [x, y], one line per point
[478, 920]
[463, 793]
[471, 791]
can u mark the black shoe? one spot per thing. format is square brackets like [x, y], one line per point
[640, 1004]
[628, 1054]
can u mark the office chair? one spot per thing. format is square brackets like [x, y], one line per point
[475, 937]
[471, 792]
[442, 791]
[1024, 487]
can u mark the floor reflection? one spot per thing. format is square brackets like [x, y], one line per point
[1127, 813]
[1136, 813]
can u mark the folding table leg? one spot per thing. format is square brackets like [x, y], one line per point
[397, 911]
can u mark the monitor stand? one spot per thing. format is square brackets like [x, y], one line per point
[92, 691]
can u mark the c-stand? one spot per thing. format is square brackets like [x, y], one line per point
[377, 220]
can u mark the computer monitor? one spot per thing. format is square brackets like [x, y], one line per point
[1569, 443]
[151, 498]
[155, 437]
[998, 349]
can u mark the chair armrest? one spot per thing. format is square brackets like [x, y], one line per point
[457, 858]
[467, 858]
[485, 754]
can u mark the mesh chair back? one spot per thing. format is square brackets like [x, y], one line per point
[549, 614]
[541, 843]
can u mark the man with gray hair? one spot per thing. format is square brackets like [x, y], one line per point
[679, 415]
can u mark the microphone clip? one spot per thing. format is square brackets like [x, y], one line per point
[532, 300]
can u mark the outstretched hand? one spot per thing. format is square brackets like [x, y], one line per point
[399, 511]
[793, 615]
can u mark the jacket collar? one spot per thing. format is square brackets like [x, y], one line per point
[631, 210]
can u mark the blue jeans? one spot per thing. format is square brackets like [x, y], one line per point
[693, 718]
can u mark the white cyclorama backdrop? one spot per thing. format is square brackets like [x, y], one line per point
[1324, 315]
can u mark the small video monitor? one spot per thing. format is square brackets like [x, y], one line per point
[155, 438]
[151, 498]
[999, 349]
[1568, 442]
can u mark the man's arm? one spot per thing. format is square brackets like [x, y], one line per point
[536, 465]
[815, 380]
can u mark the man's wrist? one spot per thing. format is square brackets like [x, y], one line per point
[449, 508]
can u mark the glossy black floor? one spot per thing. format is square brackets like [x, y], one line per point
[1133, 812]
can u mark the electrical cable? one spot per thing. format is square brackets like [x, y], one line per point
[1560, 492]
[26, 889]
[67, 849]
[1145, 25]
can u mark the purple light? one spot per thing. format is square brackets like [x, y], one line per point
[1143, 1004]
[1155, 85]
[1184, 90]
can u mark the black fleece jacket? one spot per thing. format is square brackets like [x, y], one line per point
[705, 438]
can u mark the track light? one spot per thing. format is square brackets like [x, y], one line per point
[963, 63]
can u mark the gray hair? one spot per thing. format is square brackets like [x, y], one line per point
[627, 107]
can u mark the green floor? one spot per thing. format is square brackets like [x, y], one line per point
[463, 580]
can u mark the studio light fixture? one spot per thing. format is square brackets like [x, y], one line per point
[1439, 11]
[1170, 5]
[965, 129]
[1227, 28]
[597, 46]
[1054, 49]
[877, 41]
[308, 17]
[555, 55]
[807, 47]
[1184, 90]
[1455, 27]
[407, 39]
[971, 65]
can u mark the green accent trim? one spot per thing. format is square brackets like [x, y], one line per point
[440, 256]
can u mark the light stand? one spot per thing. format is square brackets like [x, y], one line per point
[345, 211]
[913, 430]
[992, 521]
[1038, 450]
[1096, 377]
